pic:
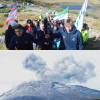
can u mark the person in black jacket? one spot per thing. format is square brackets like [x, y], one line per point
[41, 36]
[36, 23]
[9, 33]
[22, 40]
[31, 29]
[61, 25]
[51, 28]
[56, 40]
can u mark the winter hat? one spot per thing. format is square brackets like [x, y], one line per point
[14, 23]
[29, 21]
[85, 26]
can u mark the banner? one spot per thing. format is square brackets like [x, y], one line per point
[12, 15]
[62, 15]
[81, 16]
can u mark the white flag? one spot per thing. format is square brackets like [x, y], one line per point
[62, 15]
[81, 16]
[65, 16]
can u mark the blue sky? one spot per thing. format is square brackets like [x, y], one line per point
[12, 71]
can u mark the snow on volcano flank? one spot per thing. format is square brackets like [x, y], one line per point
[47, 90]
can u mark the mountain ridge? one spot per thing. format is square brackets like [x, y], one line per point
[47, 90]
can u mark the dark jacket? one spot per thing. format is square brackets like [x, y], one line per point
[60, 28]
[33, 31]
[42, 39]
[25, 42]
[72, 40]
[55, 32]
[40, 35]
[51, 30]
[8, 35]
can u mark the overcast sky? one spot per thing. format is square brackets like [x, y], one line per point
[12, 71]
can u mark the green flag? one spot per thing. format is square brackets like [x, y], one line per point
[41, 17]
[63, 12]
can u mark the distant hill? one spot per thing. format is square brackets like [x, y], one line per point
[53, 3]
[92, 2]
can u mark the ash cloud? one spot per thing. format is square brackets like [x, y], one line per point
[35, 63]
[65, 71]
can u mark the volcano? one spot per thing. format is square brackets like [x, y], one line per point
[47, 90]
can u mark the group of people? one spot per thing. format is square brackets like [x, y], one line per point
[41, 35]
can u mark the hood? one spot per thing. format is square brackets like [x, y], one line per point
[74, 29]
[9, 27]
